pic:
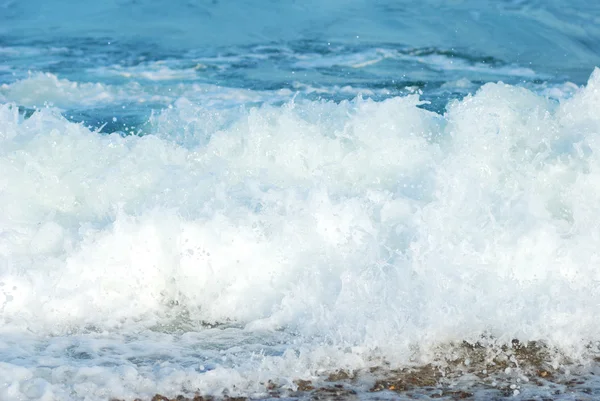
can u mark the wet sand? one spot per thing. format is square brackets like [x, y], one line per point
[462, 372]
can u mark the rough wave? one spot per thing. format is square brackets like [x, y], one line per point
[321, 235]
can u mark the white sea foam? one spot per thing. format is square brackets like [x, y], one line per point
[45, 89]
[323, 235]
[435, 61]
[156, 71]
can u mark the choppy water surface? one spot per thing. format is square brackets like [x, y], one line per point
[233, 198]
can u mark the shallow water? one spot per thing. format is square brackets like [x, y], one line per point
[218, 197]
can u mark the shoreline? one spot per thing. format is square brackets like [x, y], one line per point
[529, 371]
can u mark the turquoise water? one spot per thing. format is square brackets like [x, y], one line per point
[205, 196]
[376, 46]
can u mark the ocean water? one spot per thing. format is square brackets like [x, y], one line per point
[223, 198]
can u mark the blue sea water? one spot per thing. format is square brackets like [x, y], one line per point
[219, 197]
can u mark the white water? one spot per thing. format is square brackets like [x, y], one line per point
[324, 235]
[47, 90]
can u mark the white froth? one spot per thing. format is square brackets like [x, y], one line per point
[47, 90]
[325, 234]
[42, 89]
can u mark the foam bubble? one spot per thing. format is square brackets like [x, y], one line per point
[322, 234]
[45, 89]
[155, 71]
[41, 89]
